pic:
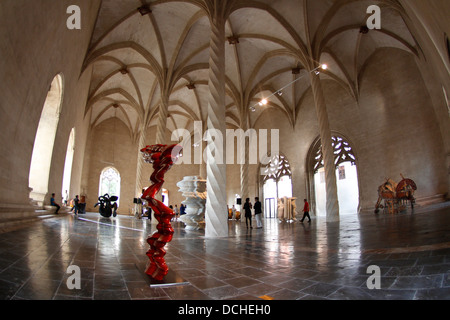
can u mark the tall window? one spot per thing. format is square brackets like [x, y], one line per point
[346, 177]
[110, 183]
[165, 197]
[277, 183]
[44, 142]
[68, 164]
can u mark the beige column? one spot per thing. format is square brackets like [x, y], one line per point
[140, 161]
[327, 149]
[216, 219]
[244, 152]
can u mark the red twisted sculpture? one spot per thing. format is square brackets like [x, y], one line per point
[162, 157]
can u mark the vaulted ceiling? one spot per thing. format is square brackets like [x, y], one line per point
[136, 58]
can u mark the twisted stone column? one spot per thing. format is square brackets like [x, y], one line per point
[244, 152]
[216, 218]
[140, 161]
[162, 121]
[327, 149]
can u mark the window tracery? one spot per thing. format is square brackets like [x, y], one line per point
[278, 167]
[343, 152]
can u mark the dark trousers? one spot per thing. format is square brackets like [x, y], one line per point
[57, 208]
[306, 214]
[247, 219]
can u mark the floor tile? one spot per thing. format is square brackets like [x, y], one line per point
[282, 261]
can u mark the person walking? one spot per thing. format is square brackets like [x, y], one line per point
[248, 212]
[66, 198]
[258, 213]
[76, 205]
[306, 211]
[177, 212]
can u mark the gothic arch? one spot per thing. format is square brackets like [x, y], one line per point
[344, 153]
[41, 160]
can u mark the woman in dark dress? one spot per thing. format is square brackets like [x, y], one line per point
[248, 212]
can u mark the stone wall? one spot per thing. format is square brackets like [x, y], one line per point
[36, 46]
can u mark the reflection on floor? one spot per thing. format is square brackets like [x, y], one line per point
[316, 260]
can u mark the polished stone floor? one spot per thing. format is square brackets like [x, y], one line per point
[282, 261]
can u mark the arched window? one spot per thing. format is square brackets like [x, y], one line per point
[110, 183]
[277, 183]
[44, 142]
[346, 177]
[165, 197]
[68, 164]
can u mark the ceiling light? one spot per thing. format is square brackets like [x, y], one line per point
[324, 67]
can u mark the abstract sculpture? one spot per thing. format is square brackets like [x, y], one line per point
[287, 209]
[194, 189]
[162, 157]
[108, 205]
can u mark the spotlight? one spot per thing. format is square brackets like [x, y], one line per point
[324, 67]
[264, 102]
[280, 93]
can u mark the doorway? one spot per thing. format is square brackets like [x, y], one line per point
[277, 183]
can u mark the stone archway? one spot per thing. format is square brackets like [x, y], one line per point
[44, 142]
[347, 179]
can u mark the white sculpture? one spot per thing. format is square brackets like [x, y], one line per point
[194, 189]
[287, 209]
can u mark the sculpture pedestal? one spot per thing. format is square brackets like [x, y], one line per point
[194, 189]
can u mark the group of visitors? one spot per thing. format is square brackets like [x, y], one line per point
[178, 211]
[182, 210]
[258, 212]
[248, 213]
[76, 208]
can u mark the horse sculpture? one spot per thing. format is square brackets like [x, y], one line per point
[395, 195]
